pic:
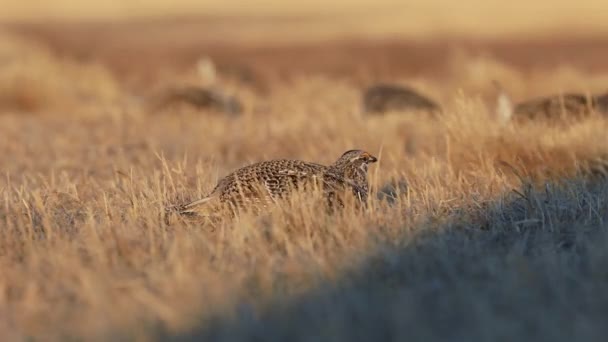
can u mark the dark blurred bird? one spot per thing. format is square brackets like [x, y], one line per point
[201, 98]
[571, 106]
[553, 108]
[382, 98]
[602, 103]
[261, 184]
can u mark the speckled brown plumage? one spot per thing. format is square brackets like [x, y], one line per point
[260, 184]
[352, 167]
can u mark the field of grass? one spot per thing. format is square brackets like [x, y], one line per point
[499, 235]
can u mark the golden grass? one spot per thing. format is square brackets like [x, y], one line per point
[85, 251]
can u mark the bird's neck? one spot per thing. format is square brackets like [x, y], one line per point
[350, 172]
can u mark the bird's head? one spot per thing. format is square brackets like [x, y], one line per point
[356, 158]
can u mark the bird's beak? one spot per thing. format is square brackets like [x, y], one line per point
[372, 159]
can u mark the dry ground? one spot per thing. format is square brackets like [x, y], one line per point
[470, 251]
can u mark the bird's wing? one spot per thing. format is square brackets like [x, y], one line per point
[308, 173]
[303, 170]
[293, 173]
[310, 170]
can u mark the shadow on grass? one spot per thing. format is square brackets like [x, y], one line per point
[528, 267]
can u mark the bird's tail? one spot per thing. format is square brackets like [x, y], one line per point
[189, 208]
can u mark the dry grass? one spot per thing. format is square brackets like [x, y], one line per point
[470, 251]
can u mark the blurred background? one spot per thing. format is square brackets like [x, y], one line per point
[356, 17]
[70, 57]
[385, 36]
[66, 53]
[364, 39]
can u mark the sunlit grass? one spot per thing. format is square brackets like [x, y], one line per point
[490, 222]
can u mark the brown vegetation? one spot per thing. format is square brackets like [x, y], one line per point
[500, 232]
